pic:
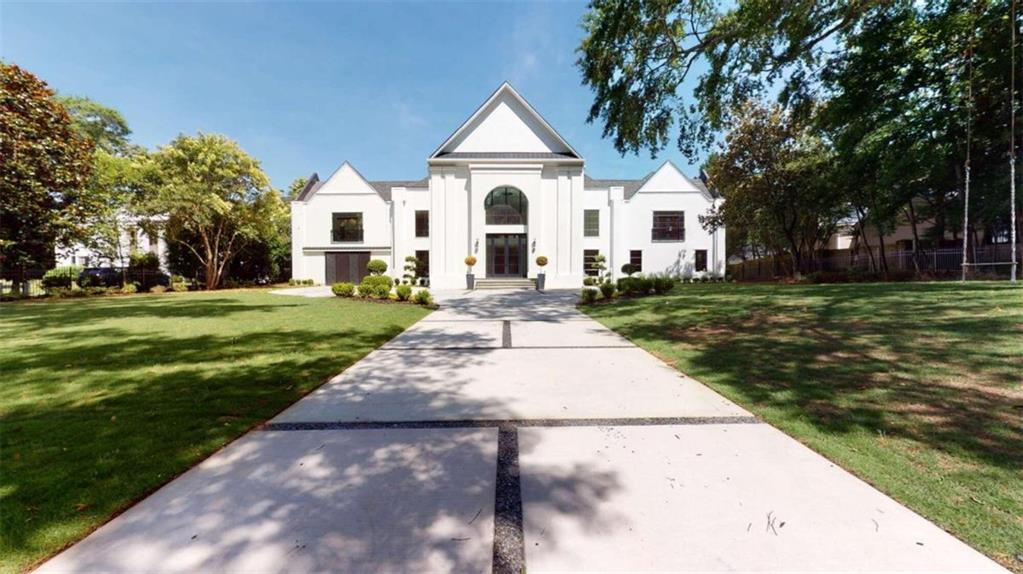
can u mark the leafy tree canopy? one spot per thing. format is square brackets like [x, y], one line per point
[103, 125]
[214, 192]
[45, 165]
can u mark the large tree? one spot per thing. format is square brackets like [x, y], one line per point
[105, 126]
[776, 179]
[45, 165]
[216, 198]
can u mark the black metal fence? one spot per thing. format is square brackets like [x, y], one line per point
[984, 261]
[28, 282]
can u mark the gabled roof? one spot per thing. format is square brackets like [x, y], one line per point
[384, 187]
[504, 89]
[632, 186]
[310, 188]
[503, 155]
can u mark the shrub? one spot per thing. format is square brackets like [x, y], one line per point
[589, 295]
[403, 291]
[607, 289]
[129, 288]
[629, 269]
[663, 284]
[61, 277]
[422, 297]
[93, 291]
[377, 266]
[470, 260]
[589, 281]
[157, 289]
[541, 261]
[179, 286]
[292, 282]
[643, 285]
[343, 289]
[144, 260]
[375, 286]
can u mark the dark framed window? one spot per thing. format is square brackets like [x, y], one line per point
[506, 205]
[591, 223]
[590, 261]
[636, 259]
[423, 263]
[422, 223]
[346, 227]
[669, 226]
[701, 259]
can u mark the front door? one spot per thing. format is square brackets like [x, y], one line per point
[506, 255]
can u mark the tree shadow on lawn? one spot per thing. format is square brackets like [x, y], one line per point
[73, 460]
[927, 362]
[77, 312]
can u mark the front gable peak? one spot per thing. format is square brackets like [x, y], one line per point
[505, 125]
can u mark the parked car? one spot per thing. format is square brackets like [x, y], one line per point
[115, 277]
[100, 277]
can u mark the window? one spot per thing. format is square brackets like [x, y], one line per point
[422, 223]
[590, 261]
[591, 223]
[636, 259]
[423, 266]
[506, 205]
[669, 226]
[347, 227]
[701, 259]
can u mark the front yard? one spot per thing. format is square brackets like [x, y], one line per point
[916, 388]
[104, 400]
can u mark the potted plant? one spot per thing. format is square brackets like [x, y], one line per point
[470, 279]
[541, 276]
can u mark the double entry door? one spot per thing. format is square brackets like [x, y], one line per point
[506, 255]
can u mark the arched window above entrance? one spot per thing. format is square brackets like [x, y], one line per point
[506, 205]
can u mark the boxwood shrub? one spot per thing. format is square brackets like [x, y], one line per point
[61, 277]
[403, 291]
[343, 289]
[589, 295]
[423, 297]
[375, 286]
[607, 289]
[663, 284]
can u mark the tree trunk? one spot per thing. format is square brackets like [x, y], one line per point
[911, 213]
[881, 253]
[863, 236]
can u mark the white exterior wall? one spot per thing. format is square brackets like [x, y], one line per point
[671, 257]
[508, 145]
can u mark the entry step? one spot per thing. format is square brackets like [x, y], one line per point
[512, 283]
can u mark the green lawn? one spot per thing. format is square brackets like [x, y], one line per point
[917, 388]
[104, 400]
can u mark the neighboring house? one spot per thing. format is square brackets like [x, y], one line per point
[506, 188]
[133, 238]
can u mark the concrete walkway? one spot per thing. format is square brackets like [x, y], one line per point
[508, 431]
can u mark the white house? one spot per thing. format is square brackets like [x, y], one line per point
[506, 188]
[135, 236]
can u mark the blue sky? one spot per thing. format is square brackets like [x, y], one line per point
[305, 86]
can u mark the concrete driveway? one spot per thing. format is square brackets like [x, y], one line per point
[508, 431]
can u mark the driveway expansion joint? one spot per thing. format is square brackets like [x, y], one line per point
[508, 423]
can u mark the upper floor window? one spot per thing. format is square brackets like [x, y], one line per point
[591, 223]
[346, 227]
[506, 205]
[422, 223]
[668, 226]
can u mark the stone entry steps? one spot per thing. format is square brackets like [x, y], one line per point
[510, 283]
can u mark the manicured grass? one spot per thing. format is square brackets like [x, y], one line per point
[104, 400]
[917, 388]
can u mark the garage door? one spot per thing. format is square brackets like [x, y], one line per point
[349, 266]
